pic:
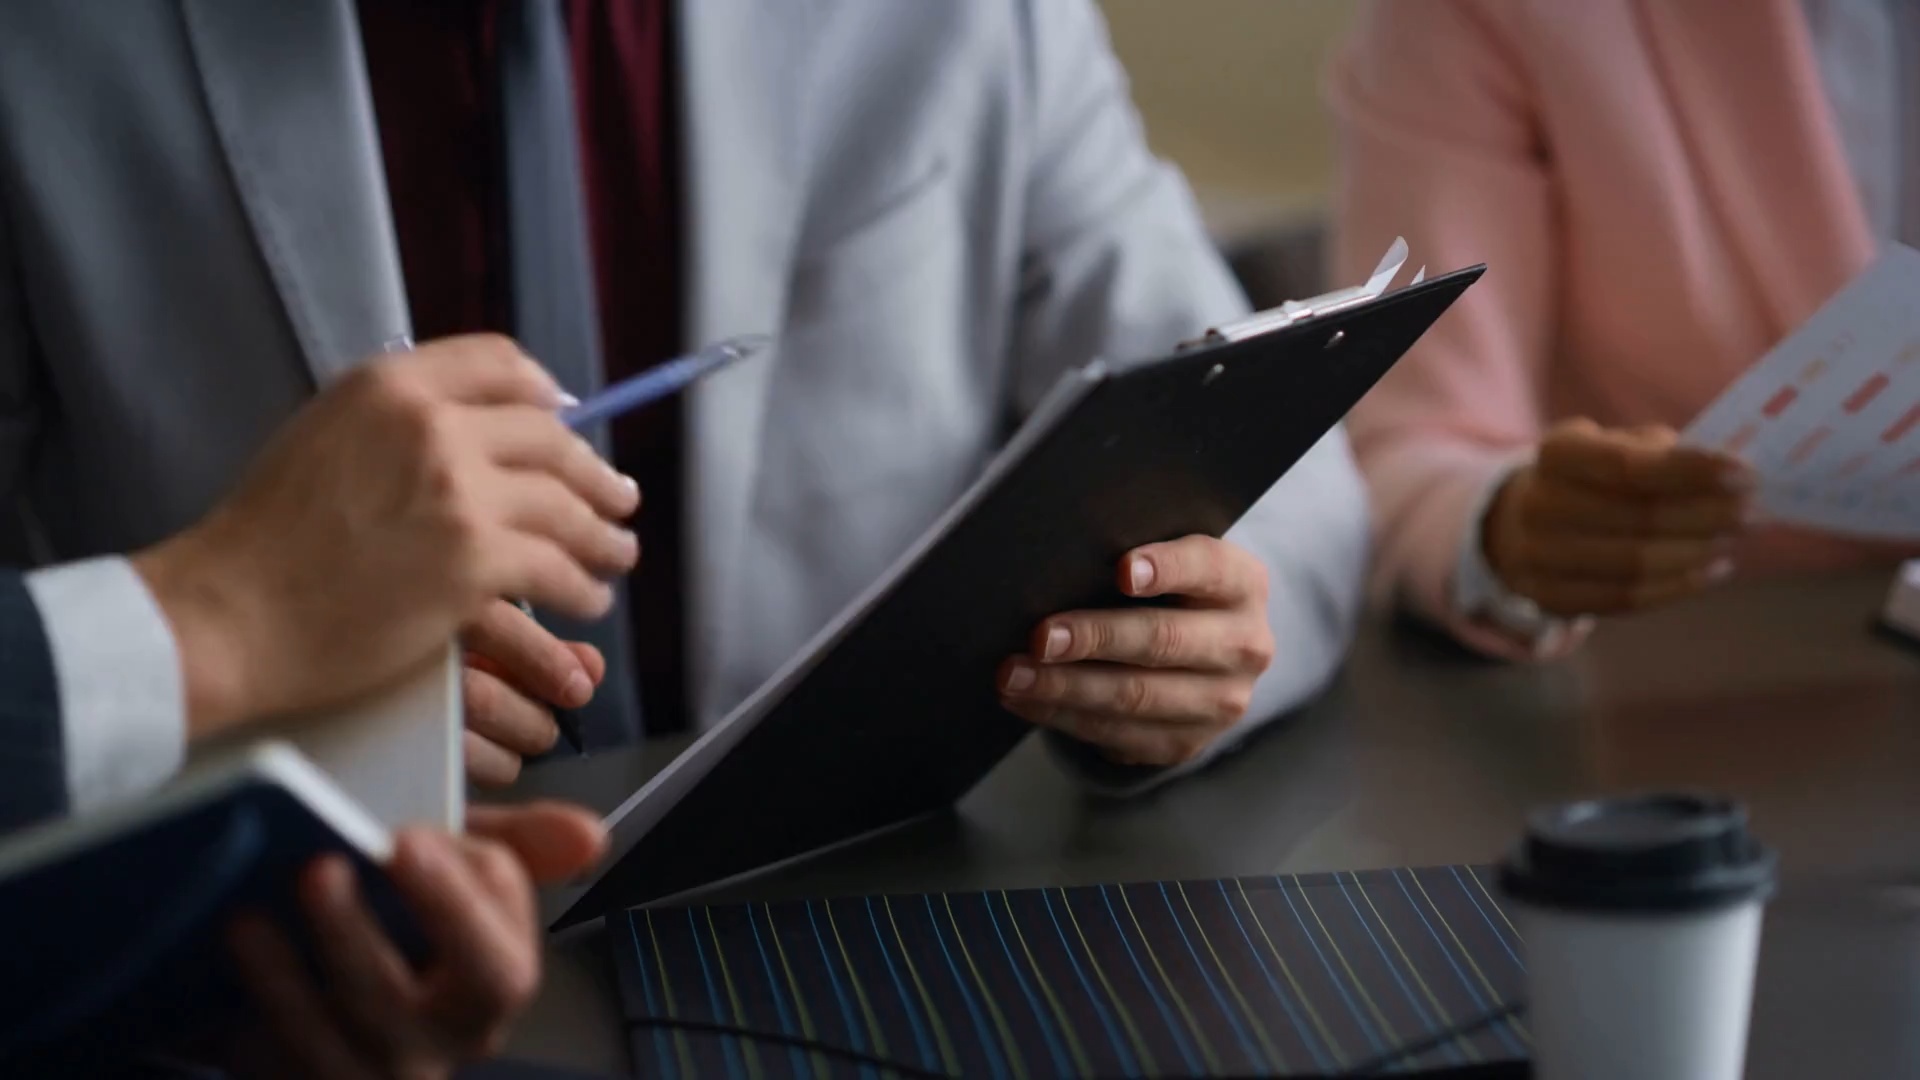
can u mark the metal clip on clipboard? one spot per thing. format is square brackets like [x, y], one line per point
[1294, 311]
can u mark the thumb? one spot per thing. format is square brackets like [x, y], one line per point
[554, 841]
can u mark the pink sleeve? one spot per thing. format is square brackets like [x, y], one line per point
[1439, 142]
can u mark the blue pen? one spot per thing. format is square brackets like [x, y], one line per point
[661, 381]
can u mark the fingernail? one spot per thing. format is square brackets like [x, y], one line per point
[1720, 570]
[1058, 638]
[633, 486]
[578, 691]
[628, 543]
[1141, 575]
[565, 400]
[1019, 678]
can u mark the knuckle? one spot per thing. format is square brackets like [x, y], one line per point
[393, 378]
[1256, 653]
[1232, 703]
[576, 466]
[1166, 642]
[582, 459]
[555, 503]
[430, 442]
[498, 347]
[1159, 753]
[498, 867]
[1539, 498]
[1185, 748]
[556, 663]
[463, 525]
[497, 621]
[1258, 581]
[546, 735]
[499, 769]
[521, 981]
[497, 350]
[494, 996]
[1538, 504]
[482, 693]
[1524, 556]
[404, 397]
[1051, 683]
[1093, 637]
[1133, 694]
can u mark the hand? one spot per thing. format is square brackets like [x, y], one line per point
[1152, 685]
[1610, 521]
[388, 513]
[380, 1016]
[516, 673]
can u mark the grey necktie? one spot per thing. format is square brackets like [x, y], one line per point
[554, 311]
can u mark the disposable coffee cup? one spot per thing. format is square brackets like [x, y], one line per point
[1641, 917]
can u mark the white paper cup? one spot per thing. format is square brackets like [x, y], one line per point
[1641, 918]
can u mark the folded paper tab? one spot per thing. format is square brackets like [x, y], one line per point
[1294, 311]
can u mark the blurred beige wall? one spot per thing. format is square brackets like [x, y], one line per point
[1230, 89]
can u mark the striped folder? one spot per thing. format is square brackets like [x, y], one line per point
[1308, 975]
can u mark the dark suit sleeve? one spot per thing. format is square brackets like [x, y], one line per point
[32, 765]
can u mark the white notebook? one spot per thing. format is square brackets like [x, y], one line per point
[397, 755]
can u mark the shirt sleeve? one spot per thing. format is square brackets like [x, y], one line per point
[122, 699]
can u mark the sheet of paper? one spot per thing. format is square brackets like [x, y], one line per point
[398, 754]
[1830, 418]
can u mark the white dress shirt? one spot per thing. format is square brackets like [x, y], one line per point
[1862, 48]
[123, 712]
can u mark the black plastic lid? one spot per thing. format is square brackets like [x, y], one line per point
[1644, 854]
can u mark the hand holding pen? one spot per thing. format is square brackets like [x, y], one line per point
[522, 681]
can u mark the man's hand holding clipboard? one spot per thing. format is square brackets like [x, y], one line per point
[1152, 684]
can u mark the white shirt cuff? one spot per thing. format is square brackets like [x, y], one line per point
[1479, 594]
[122, 699]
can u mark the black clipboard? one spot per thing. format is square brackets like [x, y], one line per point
[893, 713]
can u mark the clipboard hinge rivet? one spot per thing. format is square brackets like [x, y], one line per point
[1213, 373]
[1338, 337]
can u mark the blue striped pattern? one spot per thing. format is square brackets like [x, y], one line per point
[1269, 976]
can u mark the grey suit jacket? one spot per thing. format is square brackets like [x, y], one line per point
[934, 207]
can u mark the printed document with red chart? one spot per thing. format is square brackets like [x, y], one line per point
[1830, 419]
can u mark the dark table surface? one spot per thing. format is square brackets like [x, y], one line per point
[1779, 694]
